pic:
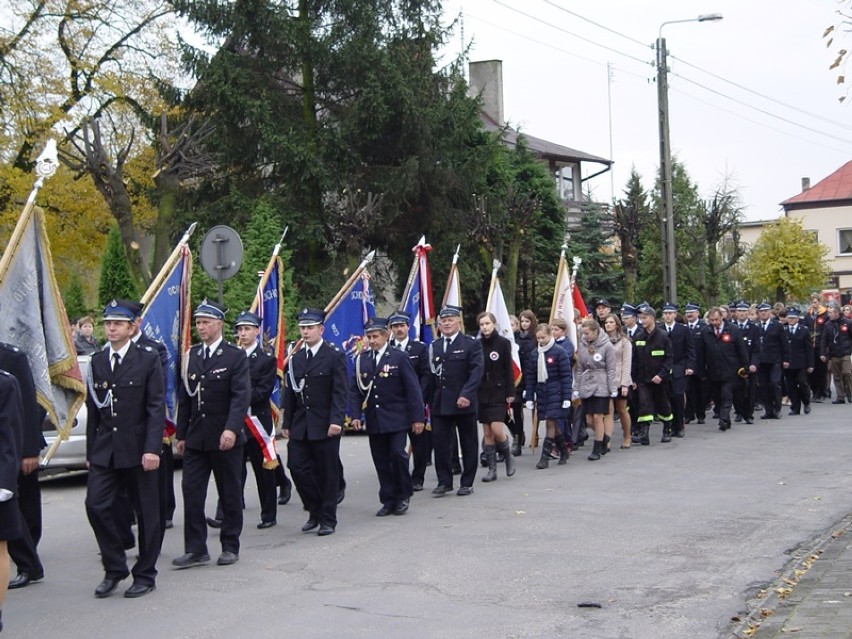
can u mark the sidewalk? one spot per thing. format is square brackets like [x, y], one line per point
[813, 597]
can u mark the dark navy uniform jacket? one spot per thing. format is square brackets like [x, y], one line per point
[262, 374]
[418, 357]
[750, 334]
[801, 347]
[683, 354]
[719, 359]
[14, 361]
[457, 374]
[774, 347]
[132, 423]
[394, 401]
[10, 432]
[223, 391]
[322, 400]
[652, 355]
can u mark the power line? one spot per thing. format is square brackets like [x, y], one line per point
[597, 24]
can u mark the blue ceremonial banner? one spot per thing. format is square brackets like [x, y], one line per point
[344, 327]
[413, 307]
[166, 318]
[270, 308]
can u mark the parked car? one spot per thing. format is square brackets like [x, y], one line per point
[71, 453]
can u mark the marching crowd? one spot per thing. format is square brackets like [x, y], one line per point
[419, 404]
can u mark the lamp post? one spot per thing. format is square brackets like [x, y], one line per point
[667, 217]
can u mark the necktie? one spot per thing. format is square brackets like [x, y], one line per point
[310, 354]
[447, 342]
[375, 357]
[116, 360]
[718, 332]
[206, 353]
[669, 329]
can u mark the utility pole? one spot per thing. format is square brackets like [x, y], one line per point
[667, 212]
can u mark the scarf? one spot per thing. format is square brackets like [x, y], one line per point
[541, 373]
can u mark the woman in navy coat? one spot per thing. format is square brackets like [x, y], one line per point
[549, 381]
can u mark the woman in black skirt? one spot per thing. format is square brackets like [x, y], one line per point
[495, 392]
[11, 416]
[594, 380]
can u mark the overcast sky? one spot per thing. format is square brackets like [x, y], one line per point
[555, 86]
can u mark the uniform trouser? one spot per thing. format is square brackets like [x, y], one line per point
[797, 388]
[315, 467]
[633, 410]
[818, 378]
[443, 433]
[744, 394]
[841, 371]
[654, 400]
[143, 488]
[678, 402]
[696, 399]
[391, 461]
[226, 466]
[167, 483]
[722, 392]
[769, 383]
[23, 550]
[281, 479]
[421, 453]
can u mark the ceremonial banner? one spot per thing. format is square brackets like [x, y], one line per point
[167, 318]
[33, 318]
[344, 326]
[497, 305]
[563, 299]
[417, 301]
[269, 305]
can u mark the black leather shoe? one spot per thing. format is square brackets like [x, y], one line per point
[266, 524]
[749, 420]
[191, 559]
[325, 530]
[214, 523]
[227, 558]
[440, 491]
[24, 578]
[666, 438]
[724, 425]
[417, 486]
[701, 421]
[839, 401]
[792, 412]
[464, 491]
[107, 587]
[738, 419]
[138, 590]
[341, 495]
[384, 511]
[807, 409]
[286, 493]
[401, 508]
[310, 525]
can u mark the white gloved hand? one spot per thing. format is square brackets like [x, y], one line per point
[576, 394]
[530, 405]
[566, 403]
[614, 394]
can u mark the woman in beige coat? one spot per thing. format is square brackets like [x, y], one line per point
[623, 360]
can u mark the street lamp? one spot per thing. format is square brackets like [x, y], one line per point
[667, 218]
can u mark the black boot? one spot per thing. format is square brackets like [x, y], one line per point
[483, 457]
[667, 432]
[503, 447]
[546, 447]
[645, 435]
[596, 451]
[516, 446]
[490, 461]
[562, 446]
[605, 444]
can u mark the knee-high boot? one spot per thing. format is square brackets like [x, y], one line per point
[564, 451]
[491, 461]
[596, 451]
[546, 448]
[503, 449]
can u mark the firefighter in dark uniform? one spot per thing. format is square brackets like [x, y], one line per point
[214, 398]
[651, 372]
[801, 363]
[314, 404]
[745, 388]
[24, 549]
[418, 357]
[11, 417]
[774, 354]
[386, 389]
[124, 435]
[456, 363]
[720, 358]
[683, 364]
[696, 397]
[633, 329]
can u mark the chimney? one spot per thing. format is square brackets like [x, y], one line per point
[806, 184]
[486, 80]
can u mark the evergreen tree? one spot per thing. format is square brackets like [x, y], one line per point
[74, 298]
[599, 275]
[116, 282]
[631, 214]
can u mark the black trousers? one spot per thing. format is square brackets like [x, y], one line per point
[23, 550]
[167, 483]
[797, 388]
[143, 488]
[769, 383]
[745, 392]
[315, 467]
[678, 402]
[696, 399]
[391, 461]
[443, 434]
[722, 392]
[818, 379]
[421, 453]
[226, 466]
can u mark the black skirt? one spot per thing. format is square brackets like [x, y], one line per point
[10, 520]
[596, 405]
[489, 413]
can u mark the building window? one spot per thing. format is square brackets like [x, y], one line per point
[844, 241]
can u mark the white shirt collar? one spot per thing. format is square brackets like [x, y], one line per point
[213, 346]
[250, 349]
[315, 348]
[122, 352]
[403, 344]
[452, 337]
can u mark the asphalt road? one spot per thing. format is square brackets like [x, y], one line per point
[669, 540]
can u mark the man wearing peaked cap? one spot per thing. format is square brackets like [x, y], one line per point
[774, 352]
[124, 435]
[602, 309]
[683, 365]
[456, 362]
[213, 401]
[314, 404]
[418, 357]
[801, 363]
[696, 393]
[745, 387]
[386, 389]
